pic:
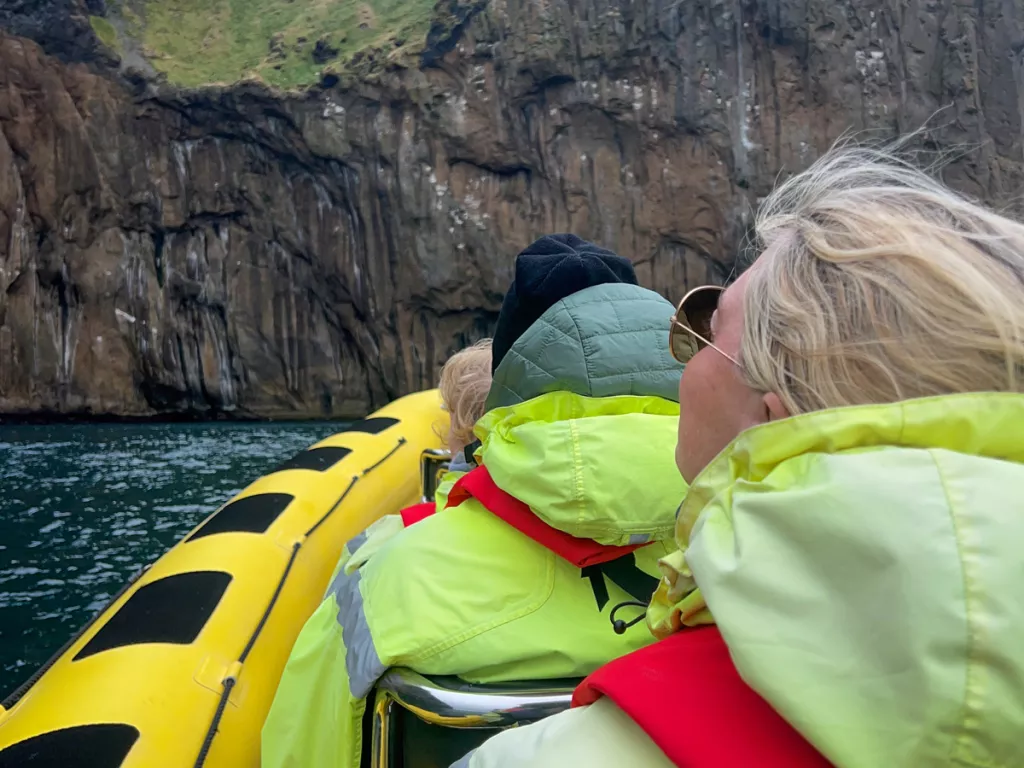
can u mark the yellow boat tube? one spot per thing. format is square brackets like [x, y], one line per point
[180, 669]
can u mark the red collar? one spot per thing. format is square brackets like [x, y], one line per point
[479, 485]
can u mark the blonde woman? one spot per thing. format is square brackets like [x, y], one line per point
[847, 588]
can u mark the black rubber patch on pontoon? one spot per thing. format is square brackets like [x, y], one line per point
[103, 745]
[372, 426]
[319, 459]
[253, 514]
[172, 610]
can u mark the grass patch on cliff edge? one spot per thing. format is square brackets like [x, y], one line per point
[105, 32]
[199, 42]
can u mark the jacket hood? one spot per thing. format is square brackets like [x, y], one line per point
[596, 468]
[864, 565]
[599, 342]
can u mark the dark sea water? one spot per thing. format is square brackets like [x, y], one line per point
[83, 507]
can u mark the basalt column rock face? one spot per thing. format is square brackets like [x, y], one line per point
[236, 250]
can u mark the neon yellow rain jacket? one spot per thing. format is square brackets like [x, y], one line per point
[582, 429]
[864, 566]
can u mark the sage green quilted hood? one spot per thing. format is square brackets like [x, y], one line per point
[603, 341]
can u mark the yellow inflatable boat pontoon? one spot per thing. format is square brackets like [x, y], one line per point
[180, 669]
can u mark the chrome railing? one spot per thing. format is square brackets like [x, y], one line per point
[433, 464]
[451, 703]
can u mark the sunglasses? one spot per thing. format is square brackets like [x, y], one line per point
[691, 324]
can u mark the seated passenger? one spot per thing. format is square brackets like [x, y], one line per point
[852, 427]
[567, 515]
[465, 382]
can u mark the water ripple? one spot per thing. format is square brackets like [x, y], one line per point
[83, 507]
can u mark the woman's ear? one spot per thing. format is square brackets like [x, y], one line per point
[774, 407]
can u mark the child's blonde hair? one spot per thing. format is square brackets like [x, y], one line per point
[465, 382]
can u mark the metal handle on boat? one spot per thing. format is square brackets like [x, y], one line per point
[433, 464]
[454, 703]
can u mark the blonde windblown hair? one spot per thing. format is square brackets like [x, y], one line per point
[465, 382]
[880, 284]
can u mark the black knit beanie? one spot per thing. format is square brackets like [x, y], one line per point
[553, 267]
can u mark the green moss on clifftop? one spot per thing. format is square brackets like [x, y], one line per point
[221, 41]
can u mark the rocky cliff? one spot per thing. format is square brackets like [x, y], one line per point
[239, 249]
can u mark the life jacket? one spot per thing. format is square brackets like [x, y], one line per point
[417, 512]
[687, 696]
[596, 562]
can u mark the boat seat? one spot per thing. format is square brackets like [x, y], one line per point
[430, 722]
